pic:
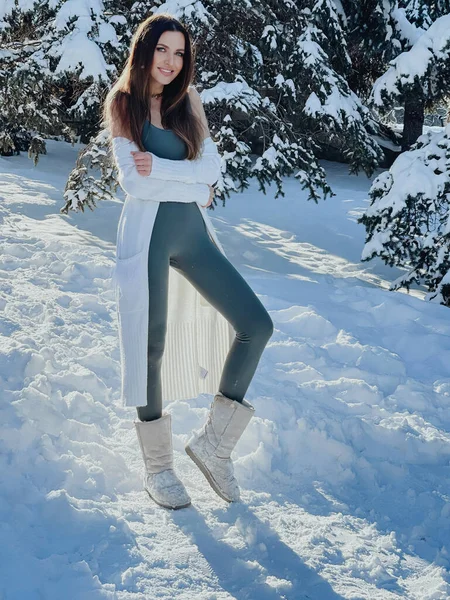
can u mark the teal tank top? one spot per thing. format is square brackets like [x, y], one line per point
[163, 142]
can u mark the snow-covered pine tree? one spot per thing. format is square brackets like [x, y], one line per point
[30, 108]
[373, 40]
[420, 14]
[335, 114]
[423, 12]
[78, 50]
[380, 31]
[406, 222]
[84, 186]
[94, 176]
[417, 78]
[57, 61]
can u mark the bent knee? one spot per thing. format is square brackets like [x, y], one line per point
[258, 327]
[266, 326]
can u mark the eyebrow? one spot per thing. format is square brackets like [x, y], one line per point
[182, 49]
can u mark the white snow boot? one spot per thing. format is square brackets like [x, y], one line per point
[210, 447]
[160, 480]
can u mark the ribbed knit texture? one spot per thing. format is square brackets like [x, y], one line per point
[191, 349]
[151, 188]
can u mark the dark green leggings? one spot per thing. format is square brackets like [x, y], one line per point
[180, 239]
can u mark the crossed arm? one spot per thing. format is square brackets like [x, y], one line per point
[148, 188]
[205, 169]
[194, 174]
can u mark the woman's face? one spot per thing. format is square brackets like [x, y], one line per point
[167, 59]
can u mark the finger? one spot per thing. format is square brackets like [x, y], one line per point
[142, 165]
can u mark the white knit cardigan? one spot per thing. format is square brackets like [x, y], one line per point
[198, 337]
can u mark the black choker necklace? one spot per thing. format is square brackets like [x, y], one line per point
[157, 95]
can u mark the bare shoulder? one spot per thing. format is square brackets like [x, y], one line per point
[199, 111]
[118, 124]
[193, 94]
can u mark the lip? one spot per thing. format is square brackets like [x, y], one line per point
[166, 74]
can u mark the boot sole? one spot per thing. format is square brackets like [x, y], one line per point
[167, 505]
[206, 473]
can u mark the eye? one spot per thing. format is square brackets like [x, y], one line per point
[161, 48]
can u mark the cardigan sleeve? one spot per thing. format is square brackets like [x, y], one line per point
[205, 169]
[138, 186]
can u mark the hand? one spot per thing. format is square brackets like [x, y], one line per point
[211, 196]
[143, 161]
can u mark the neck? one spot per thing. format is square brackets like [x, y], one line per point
[155, 103]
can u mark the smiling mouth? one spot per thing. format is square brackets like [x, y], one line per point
[164, 72]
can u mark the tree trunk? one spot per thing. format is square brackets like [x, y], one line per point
[412, 122]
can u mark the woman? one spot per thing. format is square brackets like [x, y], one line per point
[183, 319]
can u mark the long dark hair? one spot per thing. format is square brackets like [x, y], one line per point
[129, 98]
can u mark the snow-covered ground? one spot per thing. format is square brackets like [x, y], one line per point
[344, 470]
